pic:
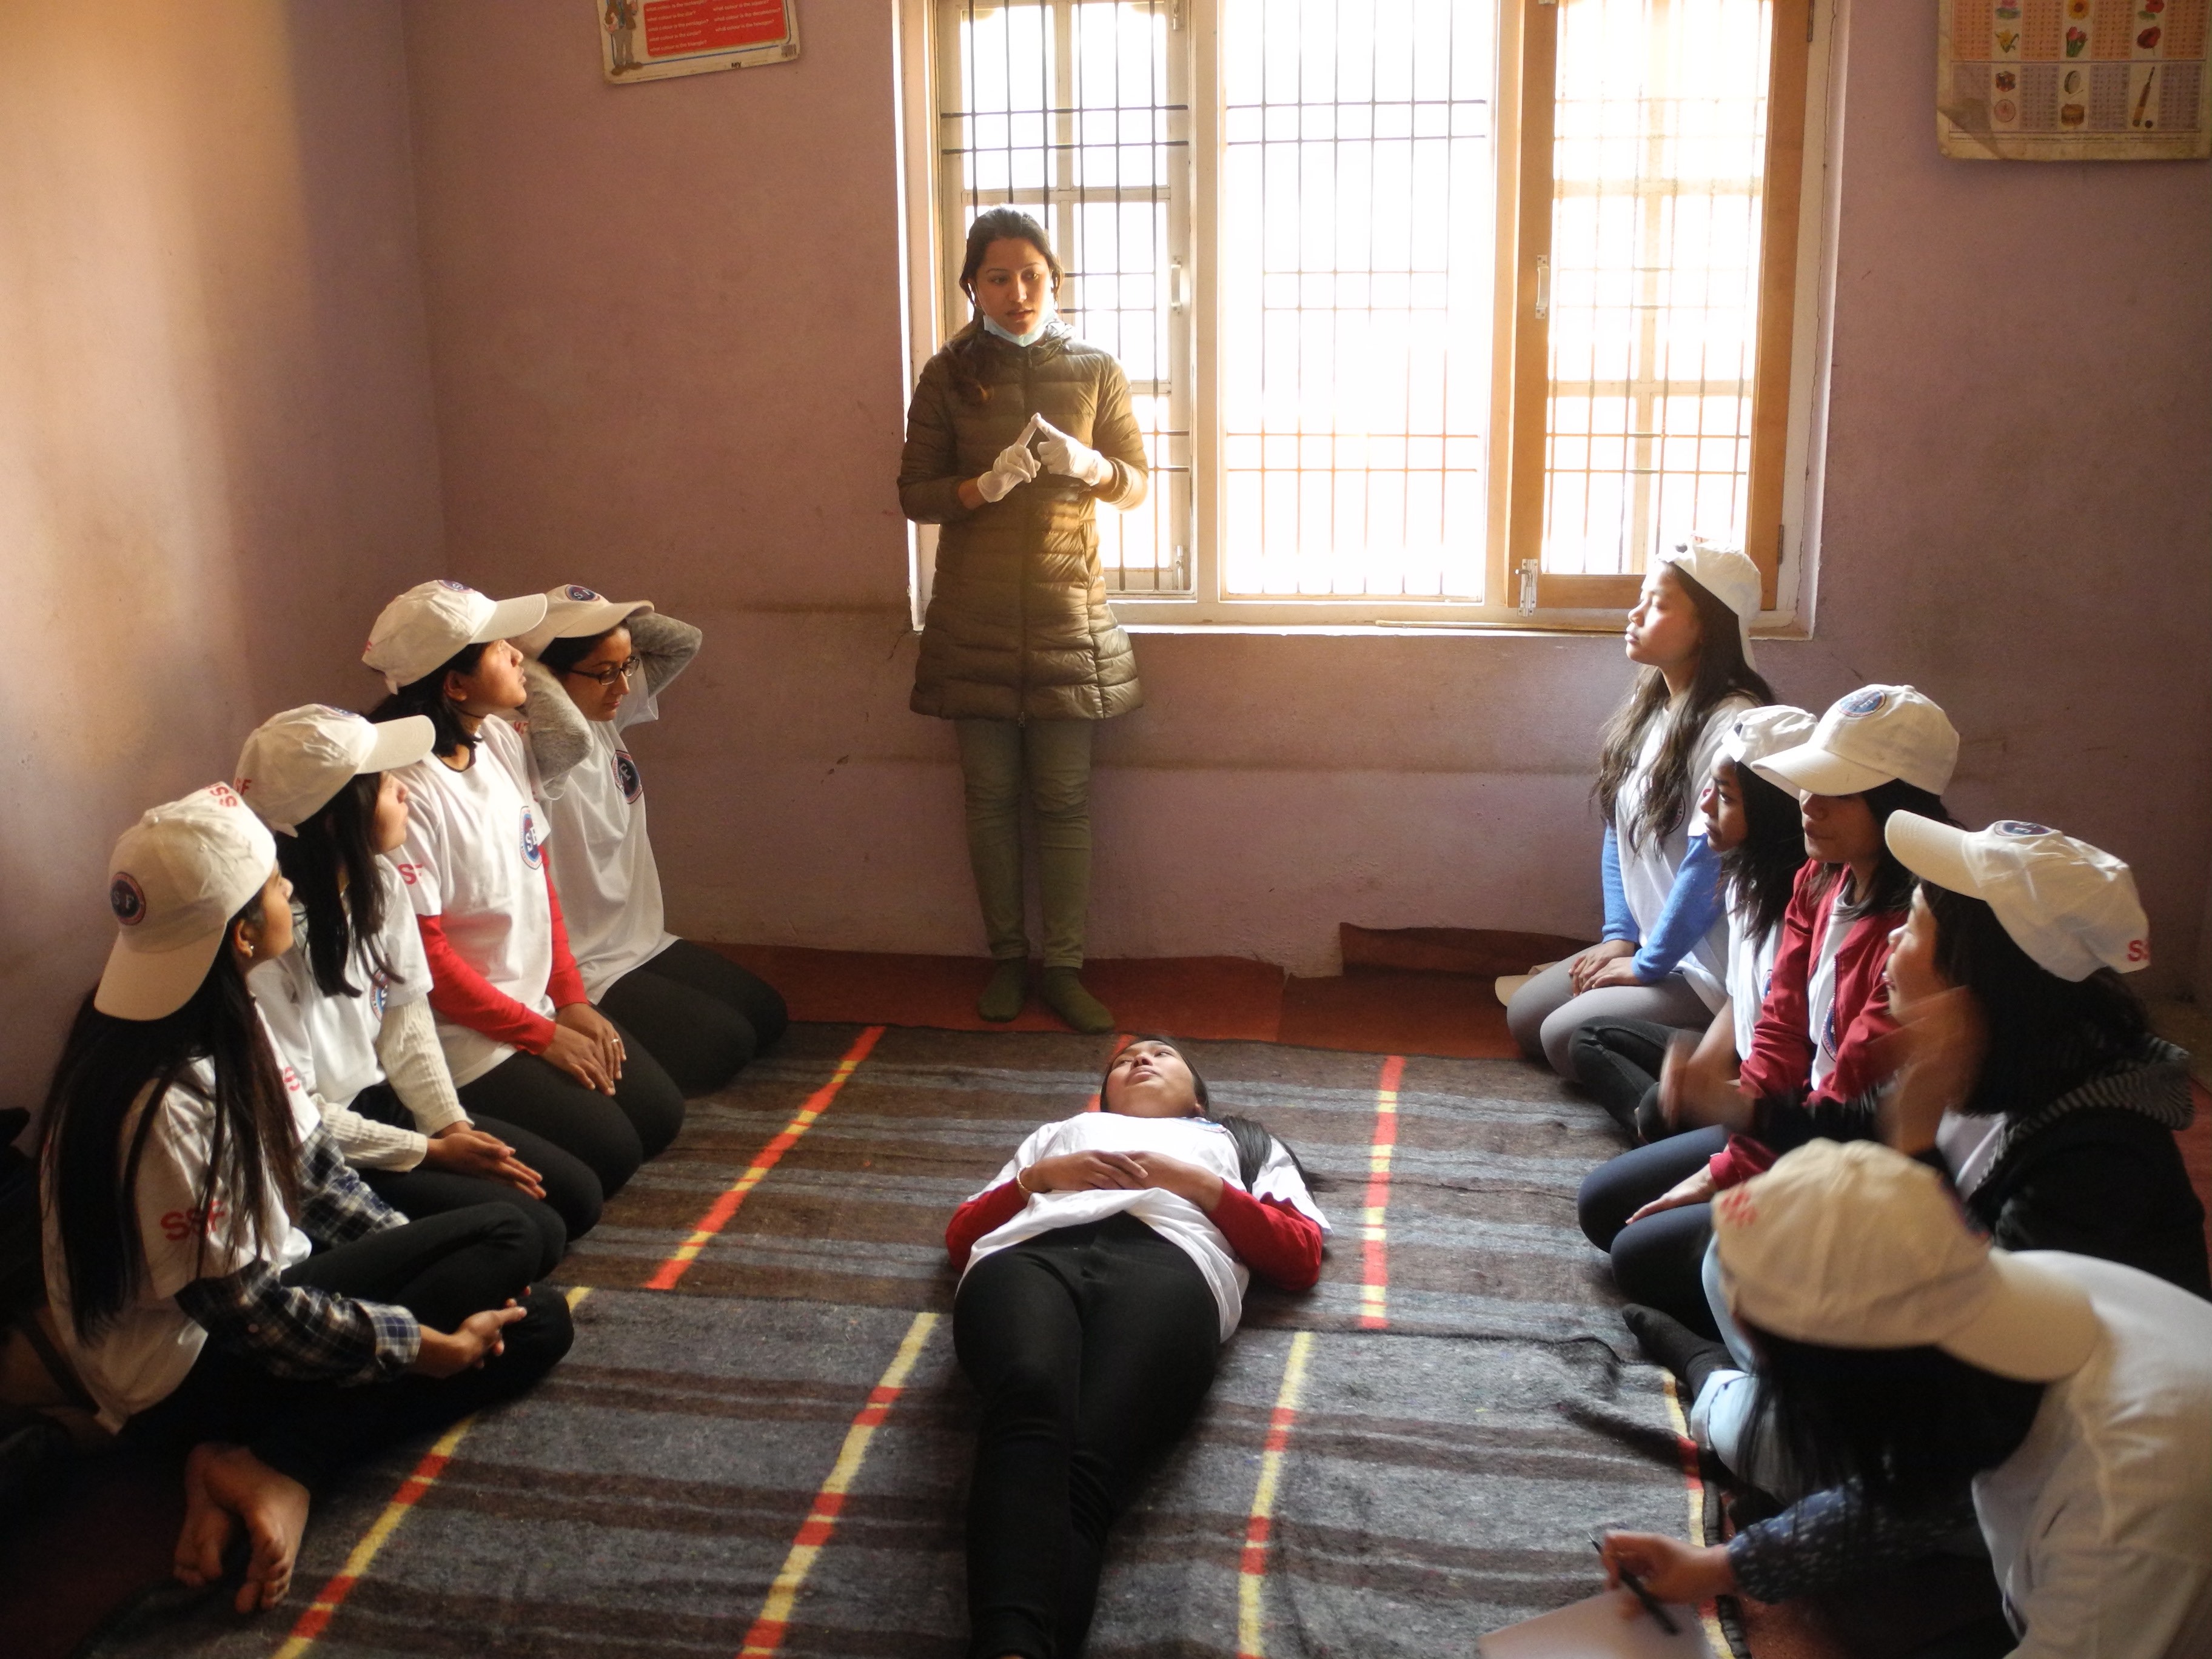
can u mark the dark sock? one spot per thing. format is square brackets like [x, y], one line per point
[1667, 1341]
[1009, 987]
[1064, 994]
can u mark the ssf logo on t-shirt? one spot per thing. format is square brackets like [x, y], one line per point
[626, 777]
[533, 852]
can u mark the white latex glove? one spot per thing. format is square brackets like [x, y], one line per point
[1015, 465]
[1061, 453]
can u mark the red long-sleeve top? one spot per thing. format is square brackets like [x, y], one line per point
[465, 997]
[1779, 1068]
[1273, 1240]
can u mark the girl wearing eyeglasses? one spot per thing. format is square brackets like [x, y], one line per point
[599, 668]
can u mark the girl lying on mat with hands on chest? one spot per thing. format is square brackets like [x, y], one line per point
[1101, 1271]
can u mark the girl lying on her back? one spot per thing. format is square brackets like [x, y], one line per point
[1102, 1271]
[181, 1184]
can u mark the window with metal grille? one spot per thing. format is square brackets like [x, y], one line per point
[1432, 310]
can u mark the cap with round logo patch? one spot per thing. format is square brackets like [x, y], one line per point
[1726, 573]
[1877, 733]
[431, 622]
[1853, 1245]
[2070, 906]
[176, 879]
[574, 611]
[294, 763]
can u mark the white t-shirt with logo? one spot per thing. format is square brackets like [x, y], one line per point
[475, 857]
[2100, 1526]
[610, 886]
[1194, 1140]
[1750, 971]
[1820, 993]
[1648, 867]
[333, 1038]
[139, 1356]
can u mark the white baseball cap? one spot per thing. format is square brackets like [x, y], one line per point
[176, 879]
[1877, 733]
[2070, 906]
[1726, 573]
[574, 611]
[294, 762]
[1767, 730]
[1853, 1245]
[429, 622]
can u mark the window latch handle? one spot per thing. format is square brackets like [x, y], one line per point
[1178, 286]
[1543, 285]
[1528, 572]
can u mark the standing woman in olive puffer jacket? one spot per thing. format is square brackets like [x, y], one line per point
[1016, 430]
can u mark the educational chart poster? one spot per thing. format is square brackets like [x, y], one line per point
[2073, 80]
[653, 39]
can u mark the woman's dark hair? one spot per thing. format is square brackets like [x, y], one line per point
[2047, 1035]
[1761, 872]
[332, 864]
[427, 696]
[1722, 672]
[561, 654]
[1254, 1141]
[107, 1066]
[1890, 892]
[1001, 224]
[1908, 1426]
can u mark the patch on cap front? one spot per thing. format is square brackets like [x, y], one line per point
[127, 899]
[2020, 826]
[1869, 702]
[458, 587]
[579, 593]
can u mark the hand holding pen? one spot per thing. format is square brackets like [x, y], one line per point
[1658, 1571]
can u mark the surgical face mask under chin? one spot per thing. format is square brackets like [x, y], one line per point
[1036, 334]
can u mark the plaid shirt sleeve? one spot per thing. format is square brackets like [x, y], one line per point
[336, 1207]
[301, 1334]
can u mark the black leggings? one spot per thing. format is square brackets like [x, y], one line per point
[1618, 1061]
[701, 1015]
[569, 1209]
[1091, 1347]
[442, 1270]
[1660, 1261]
[612, 1135]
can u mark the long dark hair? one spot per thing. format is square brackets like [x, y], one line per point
[1908, 1426]
[965, 351]
[333, 866]
[1759, 873]
[2047, 1035]
[1890, 892]
[563, 651]
[427, 695]
[107, 1066]
[1254, 1141]
[1722, 672]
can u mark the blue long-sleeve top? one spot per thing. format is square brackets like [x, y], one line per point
[1693, 906]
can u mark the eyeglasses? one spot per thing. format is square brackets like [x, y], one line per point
[606, 677]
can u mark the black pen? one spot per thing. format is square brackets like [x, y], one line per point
[1651, 1603]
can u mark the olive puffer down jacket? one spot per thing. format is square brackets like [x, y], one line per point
[1017, 624]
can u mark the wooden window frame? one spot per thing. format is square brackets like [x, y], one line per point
[1787, 376]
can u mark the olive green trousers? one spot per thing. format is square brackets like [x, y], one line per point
[1049, 762]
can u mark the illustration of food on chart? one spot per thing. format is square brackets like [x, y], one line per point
[2073, 80]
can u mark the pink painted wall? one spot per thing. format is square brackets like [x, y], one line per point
[215, 449]
[665, 345]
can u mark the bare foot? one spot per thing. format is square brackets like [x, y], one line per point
[207, 1525]
[274, 1508]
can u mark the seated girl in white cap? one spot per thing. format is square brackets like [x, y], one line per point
[1884, 749]
[2029, 1080]
[1753, 828]
[347, 1003]
[598, 667]
[1662, 957]
[182, 1182]
[1907, 1360]
[526, 1045]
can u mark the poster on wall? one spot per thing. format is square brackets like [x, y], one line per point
[2073, 80]
[653, 39]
